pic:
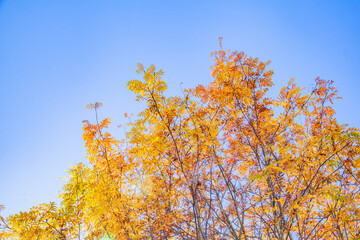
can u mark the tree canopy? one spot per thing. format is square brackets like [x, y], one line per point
[223, 161]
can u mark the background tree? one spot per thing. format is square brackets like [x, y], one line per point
[49, 221]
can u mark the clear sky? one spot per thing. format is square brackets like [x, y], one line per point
[58, 56]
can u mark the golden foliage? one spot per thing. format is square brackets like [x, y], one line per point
[225, 161]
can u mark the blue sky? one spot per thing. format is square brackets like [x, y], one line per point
[58, 56]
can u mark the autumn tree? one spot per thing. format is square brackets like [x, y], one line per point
[223, 161]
